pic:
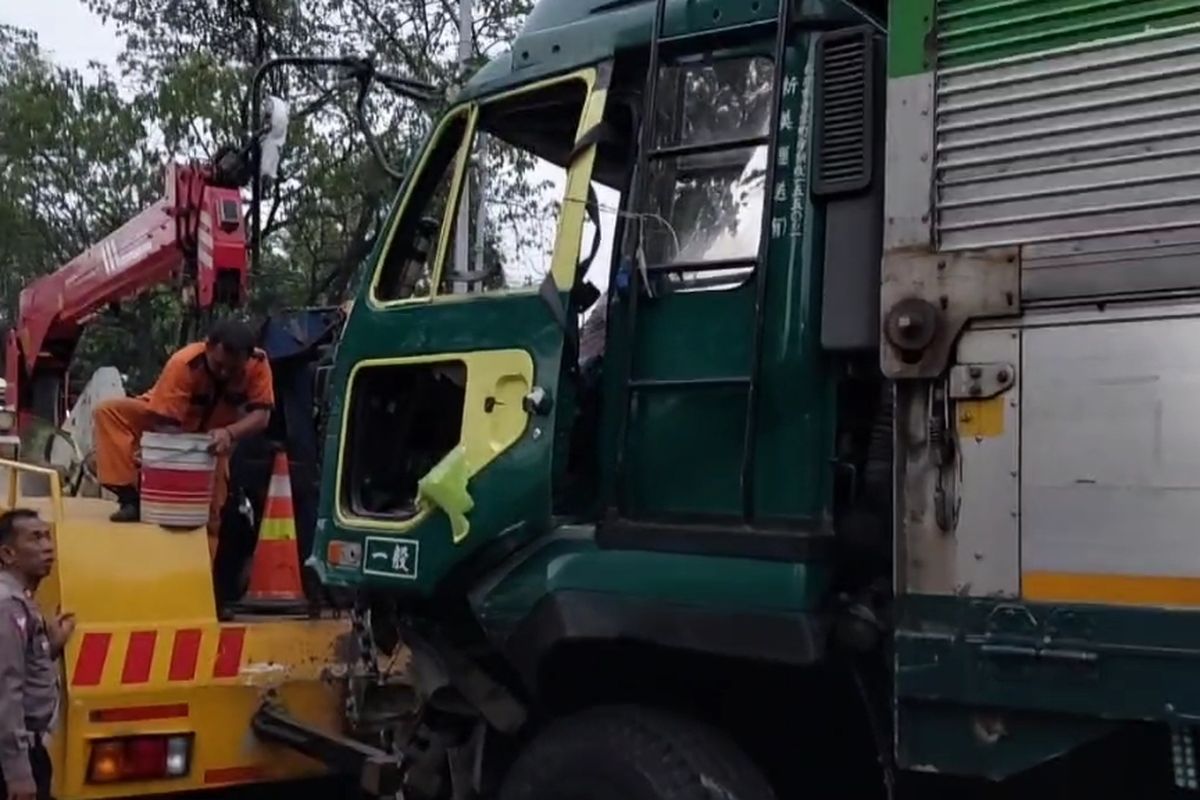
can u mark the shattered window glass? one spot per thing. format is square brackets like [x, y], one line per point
[707, 206]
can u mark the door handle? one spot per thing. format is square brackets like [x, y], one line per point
[538, 401]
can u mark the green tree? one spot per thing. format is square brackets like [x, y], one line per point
[80, 153]
[332, 194]
[75, 163]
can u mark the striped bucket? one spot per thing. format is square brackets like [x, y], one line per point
[177, 479]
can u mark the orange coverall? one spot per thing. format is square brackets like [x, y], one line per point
[184, 395]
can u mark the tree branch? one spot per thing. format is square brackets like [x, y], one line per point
[401, 48]
[360, 245]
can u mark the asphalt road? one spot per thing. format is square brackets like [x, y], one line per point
[1130, 766]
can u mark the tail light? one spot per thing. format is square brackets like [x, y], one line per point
[140, 758]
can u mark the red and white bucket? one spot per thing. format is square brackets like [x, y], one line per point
[177, 479]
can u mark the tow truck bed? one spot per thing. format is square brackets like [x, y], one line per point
[151, 657]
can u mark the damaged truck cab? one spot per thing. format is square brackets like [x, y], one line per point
[829, 486]
[513, 511]
[463, 426]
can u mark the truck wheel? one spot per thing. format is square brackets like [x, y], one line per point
[630, 753]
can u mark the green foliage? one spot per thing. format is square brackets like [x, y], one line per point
[82, 153]
[75, 163]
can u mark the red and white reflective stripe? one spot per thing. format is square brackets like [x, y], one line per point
[204, 241]
[137, 661]
[184, 653]
[108, 256]
[229, 652]
[93, 651]
[139, 657]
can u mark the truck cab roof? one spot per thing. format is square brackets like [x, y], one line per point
[562, 35]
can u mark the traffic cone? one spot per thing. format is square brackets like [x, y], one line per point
[275, 572]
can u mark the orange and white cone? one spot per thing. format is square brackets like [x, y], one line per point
[275, 572]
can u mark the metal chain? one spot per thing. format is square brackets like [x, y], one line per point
[365, 676]
[368, 654]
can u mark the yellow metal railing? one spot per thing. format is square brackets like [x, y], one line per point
[14, 471]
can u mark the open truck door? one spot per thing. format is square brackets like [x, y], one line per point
[445, 401]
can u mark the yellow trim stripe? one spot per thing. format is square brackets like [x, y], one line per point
[1121, 590]
[505, 375]
[563, 259]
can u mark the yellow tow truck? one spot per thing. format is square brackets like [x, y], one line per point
[158, 692]
[164, 674]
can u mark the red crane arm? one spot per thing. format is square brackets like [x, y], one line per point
[195, 232]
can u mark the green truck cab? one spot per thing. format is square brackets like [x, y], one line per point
[829, 484]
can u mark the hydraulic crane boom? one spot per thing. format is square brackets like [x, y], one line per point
[195, 234]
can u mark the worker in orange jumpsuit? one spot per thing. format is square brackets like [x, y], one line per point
[221, 386]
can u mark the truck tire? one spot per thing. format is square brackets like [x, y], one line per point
[631, 753]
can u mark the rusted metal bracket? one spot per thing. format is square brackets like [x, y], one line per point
[927, 299]
[980, 381]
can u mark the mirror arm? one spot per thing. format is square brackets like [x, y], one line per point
[360, 107]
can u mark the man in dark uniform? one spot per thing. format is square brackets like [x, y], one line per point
[30, 646]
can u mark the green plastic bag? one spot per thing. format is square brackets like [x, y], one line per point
[445, 486]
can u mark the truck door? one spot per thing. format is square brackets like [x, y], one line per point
[445, 393]
[720, 408]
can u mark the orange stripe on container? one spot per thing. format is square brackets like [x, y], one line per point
[138, 657]
[229, 652]
[93, 651]
[185, 652]
[139, 713]
[1130, 590]
[232, 774]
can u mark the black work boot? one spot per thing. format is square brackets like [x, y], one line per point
[128, 505]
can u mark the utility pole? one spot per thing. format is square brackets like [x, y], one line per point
[462, 260]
